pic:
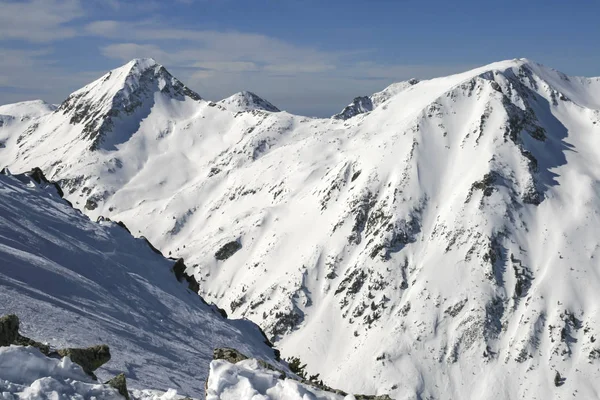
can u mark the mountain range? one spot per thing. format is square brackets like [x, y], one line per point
[436, 240]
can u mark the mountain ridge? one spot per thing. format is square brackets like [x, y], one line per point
[424, 236]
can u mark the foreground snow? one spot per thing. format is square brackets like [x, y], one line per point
[247, 380]
[76, 283]
[27, 374]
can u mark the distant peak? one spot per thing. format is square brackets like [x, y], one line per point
[246, 101]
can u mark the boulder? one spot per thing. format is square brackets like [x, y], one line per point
[228, 354]
[119, 383]
[9, 329]
[90, 359]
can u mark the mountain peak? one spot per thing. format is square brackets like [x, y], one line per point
[143, 63]
[124, 94]
[247, 101]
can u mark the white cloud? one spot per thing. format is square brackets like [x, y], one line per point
[38, 20]
[227, 66]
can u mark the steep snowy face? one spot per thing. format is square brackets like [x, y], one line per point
[247, 101]
[364, 104]
[441, 245]
[75, 283]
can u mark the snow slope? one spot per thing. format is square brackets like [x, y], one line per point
[442, 245]
[76, 283]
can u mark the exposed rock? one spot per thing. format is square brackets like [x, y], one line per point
[558, 379]
[228, 250]
[119, 383]
[179, 271]
[9, 334]
[231, 355]
[9, 329]
[38, 176]
[90, 359]
[359, 105]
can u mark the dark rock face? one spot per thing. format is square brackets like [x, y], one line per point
[9, 334]
[9, 329]
[90, 359]
[228, 250]
[359, 105]
[90, 204]
[231, 355]
[119, 383]
[179, 271]
[37, 175]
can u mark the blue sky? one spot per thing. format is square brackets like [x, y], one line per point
[306, 56]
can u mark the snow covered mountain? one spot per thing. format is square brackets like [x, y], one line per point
[75, 283]
[441, 245]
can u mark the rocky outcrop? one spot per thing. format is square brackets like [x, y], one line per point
[179, 271]
[90, 359]
[228, 250]
[119, 383]
[231, 355]
[9, 334]
[359, 105]
[9, 329]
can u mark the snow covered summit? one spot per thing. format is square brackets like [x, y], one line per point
[247, 101]
[111, 108]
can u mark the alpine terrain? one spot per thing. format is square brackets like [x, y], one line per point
[76, 283]
[436, 240]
